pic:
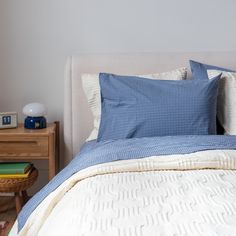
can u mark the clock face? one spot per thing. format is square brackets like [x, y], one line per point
[8, 120]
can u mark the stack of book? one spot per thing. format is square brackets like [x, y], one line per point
[15, 169]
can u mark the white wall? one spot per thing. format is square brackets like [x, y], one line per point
[36, 36]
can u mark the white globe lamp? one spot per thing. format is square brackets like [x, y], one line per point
[35, 113]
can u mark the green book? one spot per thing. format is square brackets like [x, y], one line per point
[14, 167]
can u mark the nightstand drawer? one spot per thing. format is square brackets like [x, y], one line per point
[23, 146]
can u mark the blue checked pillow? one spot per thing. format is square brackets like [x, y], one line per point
[199, 70]
[134, 107]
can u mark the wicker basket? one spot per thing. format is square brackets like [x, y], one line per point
[8, 185]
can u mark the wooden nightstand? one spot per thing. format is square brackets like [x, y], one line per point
[27, 144]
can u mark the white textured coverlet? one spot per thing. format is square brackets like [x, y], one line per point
[191, 194]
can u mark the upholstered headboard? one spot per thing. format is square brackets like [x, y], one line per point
[77, 116]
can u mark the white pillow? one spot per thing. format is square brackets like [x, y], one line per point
[92, 90]
[226, 101]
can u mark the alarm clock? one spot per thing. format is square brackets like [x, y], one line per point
[8, 120]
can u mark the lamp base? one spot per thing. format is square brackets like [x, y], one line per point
[35, 122]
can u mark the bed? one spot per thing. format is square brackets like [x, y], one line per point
[136, 185]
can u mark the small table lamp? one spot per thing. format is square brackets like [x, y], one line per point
[35, 113]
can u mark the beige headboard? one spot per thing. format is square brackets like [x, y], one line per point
[77, 116]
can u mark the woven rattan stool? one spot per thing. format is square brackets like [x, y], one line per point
[19, 187]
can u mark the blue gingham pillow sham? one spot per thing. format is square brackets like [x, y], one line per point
[199, 70]
[134, 107]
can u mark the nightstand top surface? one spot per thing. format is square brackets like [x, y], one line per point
[21, 130]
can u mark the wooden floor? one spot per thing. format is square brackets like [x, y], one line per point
[7, 213]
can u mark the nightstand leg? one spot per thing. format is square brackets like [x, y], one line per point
[25, 196]
[18, 200]
[57, 147]
[52, 159]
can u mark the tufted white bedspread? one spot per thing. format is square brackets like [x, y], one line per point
[177, 195]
